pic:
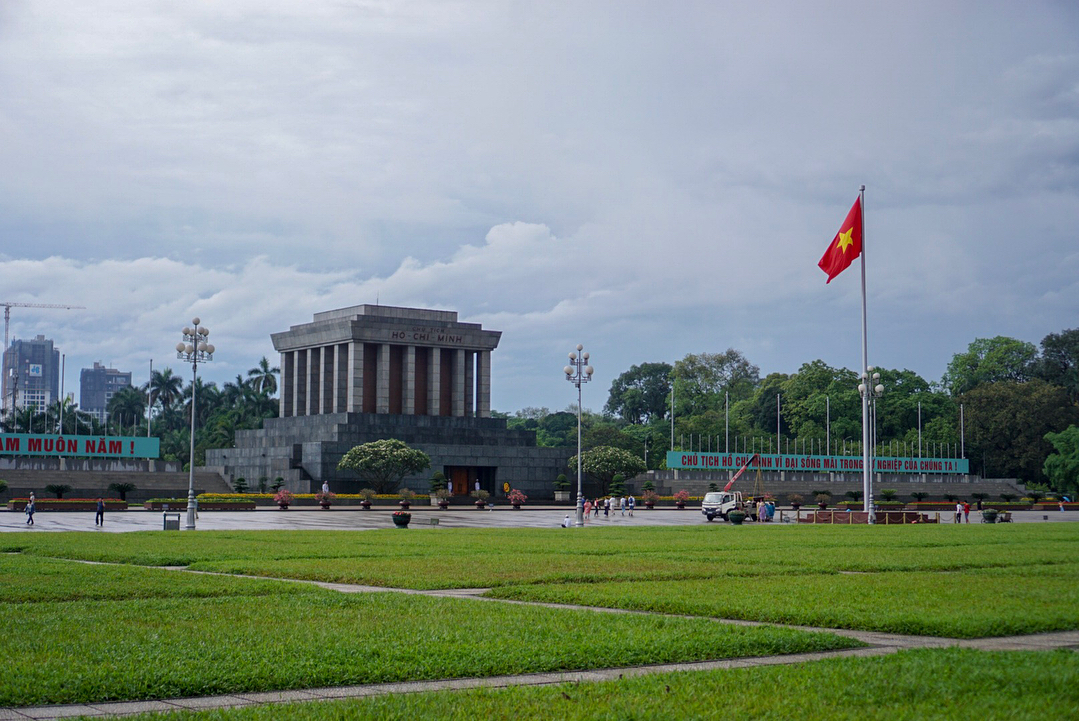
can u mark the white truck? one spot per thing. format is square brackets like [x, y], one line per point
[719, 503]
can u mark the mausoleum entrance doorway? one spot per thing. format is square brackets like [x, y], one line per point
[464, 478]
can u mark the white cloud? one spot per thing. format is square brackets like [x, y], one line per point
[649, 181]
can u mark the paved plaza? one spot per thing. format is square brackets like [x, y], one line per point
[356, 519]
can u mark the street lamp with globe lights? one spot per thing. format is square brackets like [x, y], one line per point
[579, 372]
[193, 348]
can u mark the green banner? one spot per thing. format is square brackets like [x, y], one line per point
[813, 464]
[30, 444]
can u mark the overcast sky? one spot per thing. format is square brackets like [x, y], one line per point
[650, 179]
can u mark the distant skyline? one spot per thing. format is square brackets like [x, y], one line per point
[646, 179]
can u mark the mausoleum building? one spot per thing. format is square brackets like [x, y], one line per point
[370, 372]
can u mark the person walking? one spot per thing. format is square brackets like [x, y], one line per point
[99, 517]
[958, 512]
[622, 504]
[966, 511]
[587, 508]
[31, 508]
[632, 504]
[606, 507]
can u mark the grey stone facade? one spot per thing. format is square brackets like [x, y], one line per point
[367, 373]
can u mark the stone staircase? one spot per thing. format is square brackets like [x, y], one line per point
[91, 484]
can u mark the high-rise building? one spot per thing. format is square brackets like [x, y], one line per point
[97, 385]
[31, 373]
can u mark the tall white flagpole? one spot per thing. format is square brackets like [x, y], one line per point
[867, 470]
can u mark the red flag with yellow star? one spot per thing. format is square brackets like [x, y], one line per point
[846, 246]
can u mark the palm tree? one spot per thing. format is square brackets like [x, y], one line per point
[263, 378]
[127, 404]
[166, 388]
[207, 400]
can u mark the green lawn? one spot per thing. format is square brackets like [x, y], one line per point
[123, 630]
[107, 633]
[908, 686]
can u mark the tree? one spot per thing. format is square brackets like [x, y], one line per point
[126, 405]
[58, 488]
[990, 360]
[700, 380]
[606, 435]
[384, 463]
[1007, 424]
[1062, 467]
[641, 393]
[1059, 362]
[123, 489]
[808, 395]
[604, 463]
[263, 378]
[166, 388]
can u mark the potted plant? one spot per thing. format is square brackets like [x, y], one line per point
[796, 500]
[367, 494]
[401, 518]
[736, 516]
[443, 498]
[516, 498]
[438, 483]
[481, 497]
[283, 498]
[649, 498]
[325, 499]
[561, 488]
[822, 500]
[989, 515]
[919, 496]
[680, 498]
[406, 496]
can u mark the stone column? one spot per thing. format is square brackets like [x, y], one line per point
[470, 383]
[354, 401]
[299, 383]
[382, 376]
[326, 379]
[434, 382]
[408, 382]
[313, 376]
[483, 384]
[286, 384]
[457, 396]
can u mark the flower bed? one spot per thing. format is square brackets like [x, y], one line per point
[180, 504]
[298, 499]
[66, 504]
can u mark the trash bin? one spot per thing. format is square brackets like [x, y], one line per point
[171, 521]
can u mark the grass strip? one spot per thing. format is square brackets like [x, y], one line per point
[911, 685]
[966, 604]
[28, 579]
[454, 558]
[83, 651]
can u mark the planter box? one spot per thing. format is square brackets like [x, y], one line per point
[561, 496]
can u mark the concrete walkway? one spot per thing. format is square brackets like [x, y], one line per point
[878, 644]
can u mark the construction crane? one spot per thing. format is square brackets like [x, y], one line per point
[9, 306]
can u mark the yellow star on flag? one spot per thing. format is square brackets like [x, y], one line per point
[845, 239]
